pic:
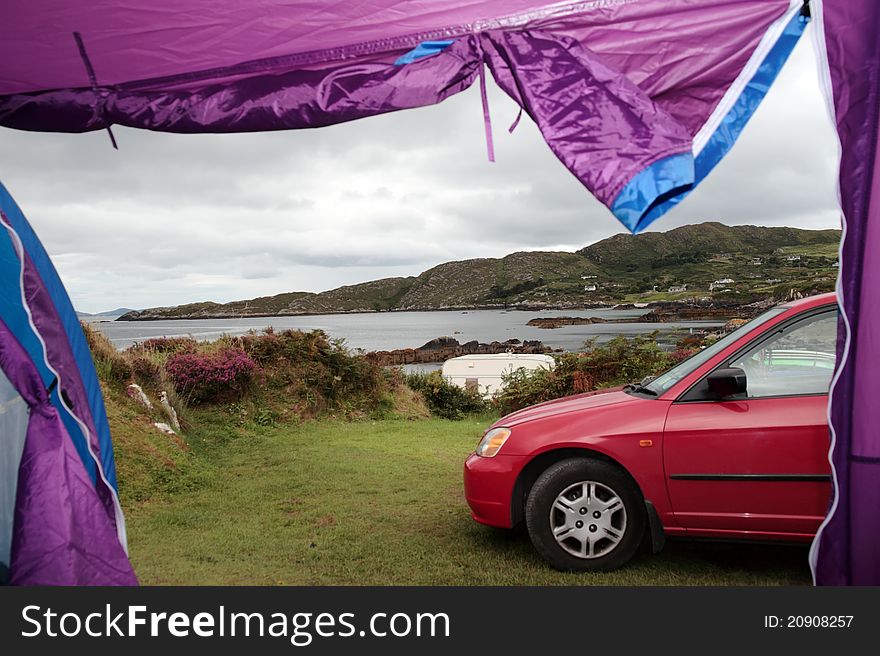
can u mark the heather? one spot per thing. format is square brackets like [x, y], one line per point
[265, 377]
[200, 377]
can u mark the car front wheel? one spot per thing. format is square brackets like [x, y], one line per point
[585, 515]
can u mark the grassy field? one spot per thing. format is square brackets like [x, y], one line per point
[370, 502]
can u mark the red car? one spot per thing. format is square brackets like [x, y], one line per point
[732, 443]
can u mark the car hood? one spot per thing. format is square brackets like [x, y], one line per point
[577, 403]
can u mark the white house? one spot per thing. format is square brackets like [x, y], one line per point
[718, 284]
[589, 288]
[793, 258]
[678, 288]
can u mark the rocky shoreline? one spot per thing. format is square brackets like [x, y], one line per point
[162, 314]
[661, 313]
[656, 312]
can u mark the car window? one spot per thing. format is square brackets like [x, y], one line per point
[795, 361]
[666, 380]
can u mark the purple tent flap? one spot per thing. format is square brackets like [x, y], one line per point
[847, 549]
[626, 92]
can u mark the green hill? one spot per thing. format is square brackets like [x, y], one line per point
[705, 239]
[681, 264]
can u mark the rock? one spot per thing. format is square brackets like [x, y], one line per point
[165, 428]
[698, 314]
[439, 343]
[169, 411]
[137, 393]
[556, 322]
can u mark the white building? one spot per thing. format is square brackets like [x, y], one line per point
[678, 288]
[589, 288]
[718, 284]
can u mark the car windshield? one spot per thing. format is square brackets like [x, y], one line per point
[666, 380]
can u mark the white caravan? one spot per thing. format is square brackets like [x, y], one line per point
[484, 372]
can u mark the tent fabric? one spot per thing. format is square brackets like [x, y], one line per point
[68, 351]
[626, 92]
[67, 526]
[846, 550]
[14, 413]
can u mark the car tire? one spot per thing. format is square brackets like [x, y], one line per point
[585, 514]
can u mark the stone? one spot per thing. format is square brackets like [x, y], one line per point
[136, 392]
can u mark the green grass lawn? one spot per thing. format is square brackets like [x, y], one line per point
[373, 502]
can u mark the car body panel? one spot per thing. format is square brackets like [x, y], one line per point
[756, 465]
[488, 487]
[625, 428]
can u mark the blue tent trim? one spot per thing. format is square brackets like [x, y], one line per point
[423, 50]
[17, 320]
[630, 205]
[665, 177]
[14, 314]
[77, 341]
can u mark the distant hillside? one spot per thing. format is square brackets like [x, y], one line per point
[493, 282]
[681, 264]
[704, 238]
[109, 313]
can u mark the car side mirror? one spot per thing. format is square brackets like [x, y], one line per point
[725, 383]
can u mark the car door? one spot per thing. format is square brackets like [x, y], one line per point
[757, 466]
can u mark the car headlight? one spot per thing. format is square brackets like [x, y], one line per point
[492, 441]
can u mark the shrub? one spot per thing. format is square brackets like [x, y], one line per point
[690, 342]
[212, 376]
[169, 345]
[320, 373]
[144, 370]
[445, 399]
[110, 364]
[682, 354]
[616, 362]
[274, 376]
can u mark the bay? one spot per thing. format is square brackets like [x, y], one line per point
[395, 330]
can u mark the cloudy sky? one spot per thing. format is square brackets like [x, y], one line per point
[172, 219]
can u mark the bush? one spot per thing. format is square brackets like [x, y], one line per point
[110, 364]
[324, 370]
[168, 345]
[222, 374]
[682, 354]
[144, 370]
[275, 376]
[445, 399]
[616, 362]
